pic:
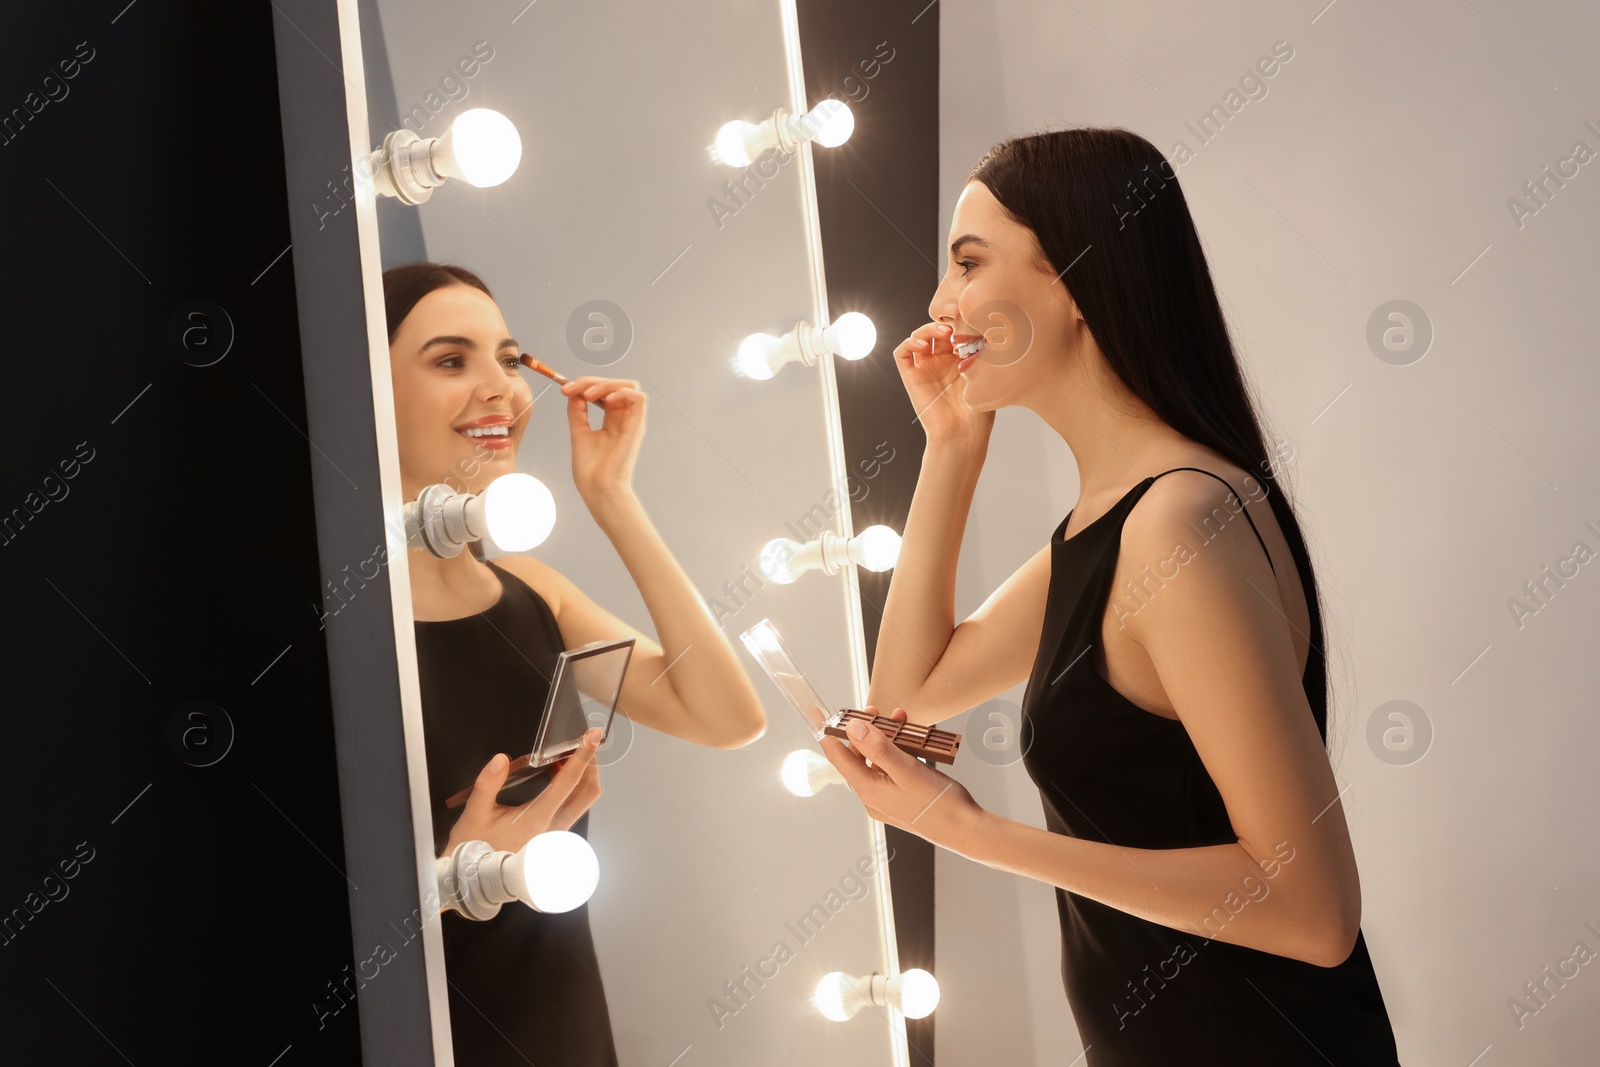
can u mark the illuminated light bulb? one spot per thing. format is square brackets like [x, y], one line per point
[876, 548]
[837, 996]
[761, 355]
[830, 123]
[554, 872]
[740, 143]
[784, 560]
[805, 773]
[851, 336]
[777, 560]
[913, 993]
[518, 512]
[481, 148]
[515, 513]
[916, 995]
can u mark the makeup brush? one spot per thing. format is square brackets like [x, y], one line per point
[534, 363]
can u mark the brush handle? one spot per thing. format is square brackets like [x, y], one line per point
[543, 368]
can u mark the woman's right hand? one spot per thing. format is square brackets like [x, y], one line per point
[927, 364]
[574, 787]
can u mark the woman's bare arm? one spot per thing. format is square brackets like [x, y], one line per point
[919, 613]
[924, 662]
[692, 684]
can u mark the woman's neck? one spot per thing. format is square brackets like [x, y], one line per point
[1115, 439]
[442, 579]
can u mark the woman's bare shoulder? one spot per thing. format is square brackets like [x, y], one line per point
[542, 578]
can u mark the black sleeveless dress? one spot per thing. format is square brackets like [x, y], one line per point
[524, 986]
[1144, 994]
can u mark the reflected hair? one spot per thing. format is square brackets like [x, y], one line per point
[1104, 203]
[405, 285]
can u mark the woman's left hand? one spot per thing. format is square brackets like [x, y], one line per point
[901, 790]
[603, 459]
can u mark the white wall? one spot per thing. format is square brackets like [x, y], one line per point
[1377, 167]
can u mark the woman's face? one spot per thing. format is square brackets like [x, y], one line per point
[453, 364]
[999, 285]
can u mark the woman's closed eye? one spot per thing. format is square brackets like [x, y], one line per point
[966, 265]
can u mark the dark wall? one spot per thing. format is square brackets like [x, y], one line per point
[878, 201]
[173, 888]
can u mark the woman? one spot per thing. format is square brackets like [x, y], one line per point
[526, 986]
[1206, 886]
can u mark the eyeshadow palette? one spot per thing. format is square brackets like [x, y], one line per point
[924, 742]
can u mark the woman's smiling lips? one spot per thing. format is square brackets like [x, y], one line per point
[960, 340]
[491, 431]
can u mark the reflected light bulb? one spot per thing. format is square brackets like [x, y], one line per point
[806, 773]
[481, 147]
[780, 560]
[835, 997]
[852, 335]
[558, 872]
[519, 512]
[735, 140]
[760, 356]
[876, 548]
[913, 993]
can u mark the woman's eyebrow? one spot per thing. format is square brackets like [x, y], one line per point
[466, 342]
[955, 246]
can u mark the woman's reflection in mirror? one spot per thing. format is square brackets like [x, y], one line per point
[525, 986]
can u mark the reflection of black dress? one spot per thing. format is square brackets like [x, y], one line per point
[524, 986]
[1108, 770]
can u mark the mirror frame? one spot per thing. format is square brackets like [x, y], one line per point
[371, 658]
[372, 653]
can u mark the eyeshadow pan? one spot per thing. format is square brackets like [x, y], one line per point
[920, 740]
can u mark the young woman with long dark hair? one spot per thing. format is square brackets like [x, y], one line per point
[1175, 713]
[526, 987]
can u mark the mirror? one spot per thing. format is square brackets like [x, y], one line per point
[620, 248]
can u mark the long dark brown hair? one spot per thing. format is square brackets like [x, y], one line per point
[1107, 204]
[405, 285]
